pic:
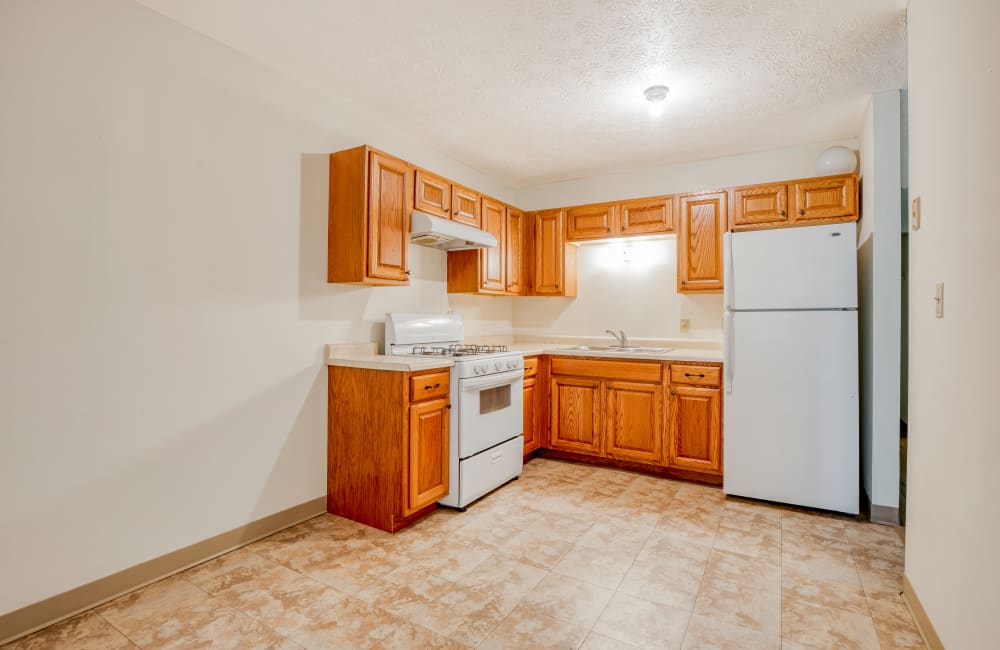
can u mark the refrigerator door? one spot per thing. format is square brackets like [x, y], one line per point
[791, 408]
[812, 267]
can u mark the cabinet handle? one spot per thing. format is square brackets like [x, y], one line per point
[684, 281]
[802, 211]
[608, 228]
[691, 374]
[557, 286]
[595, 385]
[448, 406]
[430, 387]
[407, 272]
[781, 212]
[673, 393]
[623, 228]
[447, 209]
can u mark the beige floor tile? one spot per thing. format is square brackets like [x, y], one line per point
[568, 599]
[664, 578]
[694, 532]
[746, 571]
[525, 628]
[595, 641]
[286, 644]
[227, 570]
[707, 633]
[536, 547]
[818, 565]
[227, 629]
[407, 636]
[762, 542]
[503, 579]
[601, 567]
[883, 584]
[350, 623]
[824, 627]
[87, 631]
[627, 535]
[792, 521]
[747, 607]
[894, 625]
[823, 593]
[354, 571]
[642, 623]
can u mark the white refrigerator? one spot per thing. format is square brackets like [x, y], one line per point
[791, 366]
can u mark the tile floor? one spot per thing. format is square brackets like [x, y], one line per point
[568, 556]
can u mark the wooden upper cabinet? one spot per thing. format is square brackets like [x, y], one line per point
[757, 205]
[699, 243]
[555, 261]
[646, 216]
[494, 216]
[695, 429]
[634, 421]
[576, 415]
[595, 221]
[465, 206]
[371, 197]
[514, 253]
[433, 194]
[427, 454]
[830, 198]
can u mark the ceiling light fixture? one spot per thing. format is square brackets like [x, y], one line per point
[655, 95]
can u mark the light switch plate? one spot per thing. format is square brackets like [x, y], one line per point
[939, 300]
[685, 324]
[915, 215]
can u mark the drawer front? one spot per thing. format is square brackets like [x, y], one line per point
[695, 375]
[607, 369]
[429, 385]
[530, 366]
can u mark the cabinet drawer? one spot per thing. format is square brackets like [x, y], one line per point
[530, 366]
[607, 369]
[694, 375]
[429, 385]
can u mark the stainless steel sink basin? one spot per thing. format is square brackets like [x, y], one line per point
[615, 349]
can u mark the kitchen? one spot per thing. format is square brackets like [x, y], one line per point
[167, 368]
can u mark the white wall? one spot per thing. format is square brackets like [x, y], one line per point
[162, 265]
[879, 278]
[953, 521]
[644, 301]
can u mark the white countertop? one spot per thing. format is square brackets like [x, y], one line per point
[365, 355]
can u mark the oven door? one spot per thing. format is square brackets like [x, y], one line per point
[490, 411]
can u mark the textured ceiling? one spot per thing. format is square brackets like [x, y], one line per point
[534, 91]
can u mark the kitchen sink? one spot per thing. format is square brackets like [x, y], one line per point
[616, 349]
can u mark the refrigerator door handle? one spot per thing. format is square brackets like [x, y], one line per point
[727, 271]
[729, 349]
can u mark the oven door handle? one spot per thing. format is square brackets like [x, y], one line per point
[478, 384]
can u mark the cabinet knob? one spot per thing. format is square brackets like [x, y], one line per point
[623, 228]
[684, 281]
[673, 393]
[781, 212]
[447, 406]
[407, 272]
[447, 209]
[802, 211]
[557, 286]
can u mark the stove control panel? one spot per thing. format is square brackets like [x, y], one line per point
[494, 366]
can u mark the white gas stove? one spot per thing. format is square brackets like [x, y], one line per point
[487, 383]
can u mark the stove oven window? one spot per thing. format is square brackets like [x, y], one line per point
[494, 399]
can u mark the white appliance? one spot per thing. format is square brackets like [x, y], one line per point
[487, 417]
[446, 235]
[791, 366]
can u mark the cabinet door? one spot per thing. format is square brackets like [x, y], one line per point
[491, 260]
[531, 442]
[575, 410]
[696, 428]
[834, 197]
[549, 252]
[590, 222]
[633, 425]
[465, 206]
[699, 245]
[433, 194]
[644, 216]
[390, 186]
[426, 477]
[760, 204]
[514, 263]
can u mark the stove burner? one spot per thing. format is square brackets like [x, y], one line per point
[457, 350]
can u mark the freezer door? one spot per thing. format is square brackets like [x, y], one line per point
[813, 267]
[791, 408]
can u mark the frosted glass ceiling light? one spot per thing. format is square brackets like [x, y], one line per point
[655, 95]
[836, 160]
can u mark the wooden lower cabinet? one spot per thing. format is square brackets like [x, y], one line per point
[576, 415]
[387, 444]
[695, 432]
[531, 432]
[633, 421]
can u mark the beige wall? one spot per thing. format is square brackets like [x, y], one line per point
[953, 521]
[162, 260]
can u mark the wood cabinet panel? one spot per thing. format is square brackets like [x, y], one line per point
[699, 244]
[531, 432]
[607, 368]
[390, 183]
[585, 222]
[433, 194]
[646, 216]
[514, 253]
[427, 454]
[633, 426]
[530, 366]
[575, 415]
[695, 428]
[695, 375]
[760, 204]
[555, 261]
[429, 385]
[832, 197]
[491, 269]
[465, 206]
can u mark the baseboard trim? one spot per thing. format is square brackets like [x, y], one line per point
[923, 622]
[884, 515]
[36, 616]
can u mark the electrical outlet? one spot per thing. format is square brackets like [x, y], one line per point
[915, 215]
[939, 300]
[685, 325]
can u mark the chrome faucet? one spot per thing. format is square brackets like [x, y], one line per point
[622, 339]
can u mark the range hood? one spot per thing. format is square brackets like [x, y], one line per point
[447, 235]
